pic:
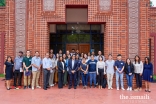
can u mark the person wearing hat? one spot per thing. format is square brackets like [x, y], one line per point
[119, 66]
[27, 69]
[18, 70]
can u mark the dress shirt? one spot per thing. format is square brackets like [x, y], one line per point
[18, 63]
[47, 63]
[73, 63]
[36, 61]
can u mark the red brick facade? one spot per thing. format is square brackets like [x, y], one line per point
[127, 29]
[153, 34]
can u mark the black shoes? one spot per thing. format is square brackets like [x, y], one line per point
[74, 87]
[25, 87]
[69, 87]
[29, 86]
[47, 87]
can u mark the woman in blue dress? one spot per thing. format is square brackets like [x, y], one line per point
[148, 74]
[8, 71]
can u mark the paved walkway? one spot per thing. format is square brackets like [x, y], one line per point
[72, 96]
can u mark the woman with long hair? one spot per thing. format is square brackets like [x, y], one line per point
[100, 69]
[65, 73]
[8, 71]
[138, 70]
[86, 57]
[84, 72]
[147, 74]
[129, 70]
[61, 69]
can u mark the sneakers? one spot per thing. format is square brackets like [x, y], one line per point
[38, 86]
[32, 88]
[111, 88]
[52, 85]
[19, 87]
[13, 87]
[121, 88]
[128, 88]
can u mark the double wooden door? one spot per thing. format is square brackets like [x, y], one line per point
[83, 48]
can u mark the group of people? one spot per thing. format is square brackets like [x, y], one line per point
[72, 67]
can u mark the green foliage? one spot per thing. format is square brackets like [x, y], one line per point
[81, 38]
[151, 4]
[2, 3]
[154, 77]
[1, 75]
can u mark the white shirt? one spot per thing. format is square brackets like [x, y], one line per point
[110, 66]
[138, 68]
[100, 65]
[73, 63]
[63, 65]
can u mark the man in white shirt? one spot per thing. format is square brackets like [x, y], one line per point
[47, 65]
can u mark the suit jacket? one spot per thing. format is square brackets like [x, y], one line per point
[75, 67]
[60, 66]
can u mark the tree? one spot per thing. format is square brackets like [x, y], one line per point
[2, 2]
[151, 4]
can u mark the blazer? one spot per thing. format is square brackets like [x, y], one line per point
[60, 66]
[131, 67]
[70, 65]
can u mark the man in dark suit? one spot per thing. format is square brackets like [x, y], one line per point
[73, 67]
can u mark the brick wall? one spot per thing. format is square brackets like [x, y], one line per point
[116, 39]
[153, 34]
[2, 33]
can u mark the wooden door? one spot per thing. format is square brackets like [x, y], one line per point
[84, 48]
[71, 46]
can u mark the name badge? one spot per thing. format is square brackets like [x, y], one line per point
[30, 60]
[121, 63]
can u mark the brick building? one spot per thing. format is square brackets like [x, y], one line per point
[127, 27]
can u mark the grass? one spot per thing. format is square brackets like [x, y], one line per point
[1, 75]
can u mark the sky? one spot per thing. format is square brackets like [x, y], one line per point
[154, 2]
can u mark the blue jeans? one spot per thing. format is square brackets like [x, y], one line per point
[84, 79]
[119, 75]
[129, 80]
[92, 78]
